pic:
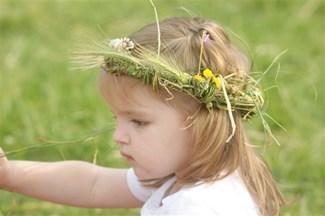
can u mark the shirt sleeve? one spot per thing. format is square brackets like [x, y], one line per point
[141, 192]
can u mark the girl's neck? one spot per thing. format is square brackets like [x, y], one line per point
[174, 188]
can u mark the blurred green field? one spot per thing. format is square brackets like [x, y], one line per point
[40, 96]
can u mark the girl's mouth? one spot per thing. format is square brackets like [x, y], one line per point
[128, 157]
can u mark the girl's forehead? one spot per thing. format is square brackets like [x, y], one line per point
[123, 92]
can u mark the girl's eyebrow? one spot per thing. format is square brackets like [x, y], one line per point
[132, 112]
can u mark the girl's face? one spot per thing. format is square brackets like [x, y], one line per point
[149, 133]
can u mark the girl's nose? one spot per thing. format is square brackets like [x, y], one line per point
[120, 136]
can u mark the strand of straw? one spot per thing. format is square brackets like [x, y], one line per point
[229, 109]
[201, 51]
[158, 27]
[52, 143]
[270, 66]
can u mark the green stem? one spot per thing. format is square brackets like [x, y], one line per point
[52, 143]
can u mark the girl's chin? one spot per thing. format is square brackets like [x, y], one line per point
[143, 176]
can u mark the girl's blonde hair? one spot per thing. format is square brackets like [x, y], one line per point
[212, 157]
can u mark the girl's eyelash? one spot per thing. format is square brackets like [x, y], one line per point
[139, 122]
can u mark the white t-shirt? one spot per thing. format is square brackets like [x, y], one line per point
[225, 197]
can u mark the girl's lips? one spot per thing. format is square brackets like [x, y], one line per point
[126, 156]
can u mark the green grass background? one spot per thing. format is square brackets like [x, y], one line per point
[40, 96]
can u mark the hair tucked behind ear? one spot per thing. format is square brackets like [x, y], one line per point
[212, 157]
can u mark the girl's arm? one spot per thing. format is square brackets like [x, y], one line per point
[73, 183]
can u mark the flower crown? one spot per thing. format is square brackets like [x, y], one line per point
[232, 92]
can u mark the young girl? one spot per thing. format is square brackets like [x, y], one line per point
[178, 90]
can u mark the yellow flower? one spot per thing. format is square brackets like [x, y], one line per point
[198, 77]
[217, 82]
[207, 73]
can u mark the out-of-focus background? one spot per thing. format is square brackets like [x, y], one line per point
[42, 99]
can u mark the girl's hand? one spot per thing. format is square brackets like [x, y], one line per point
[3, 168]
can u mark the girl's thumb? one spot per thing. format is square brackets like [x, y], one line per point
[2, 155]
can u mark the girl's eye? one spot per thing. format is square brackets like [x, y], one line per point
[139, 123]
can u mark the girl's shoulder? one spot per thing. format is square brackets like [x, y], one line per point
[228, 196]
[230, 186]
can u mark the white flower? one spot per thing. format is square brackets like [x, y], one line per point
[122, 44]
